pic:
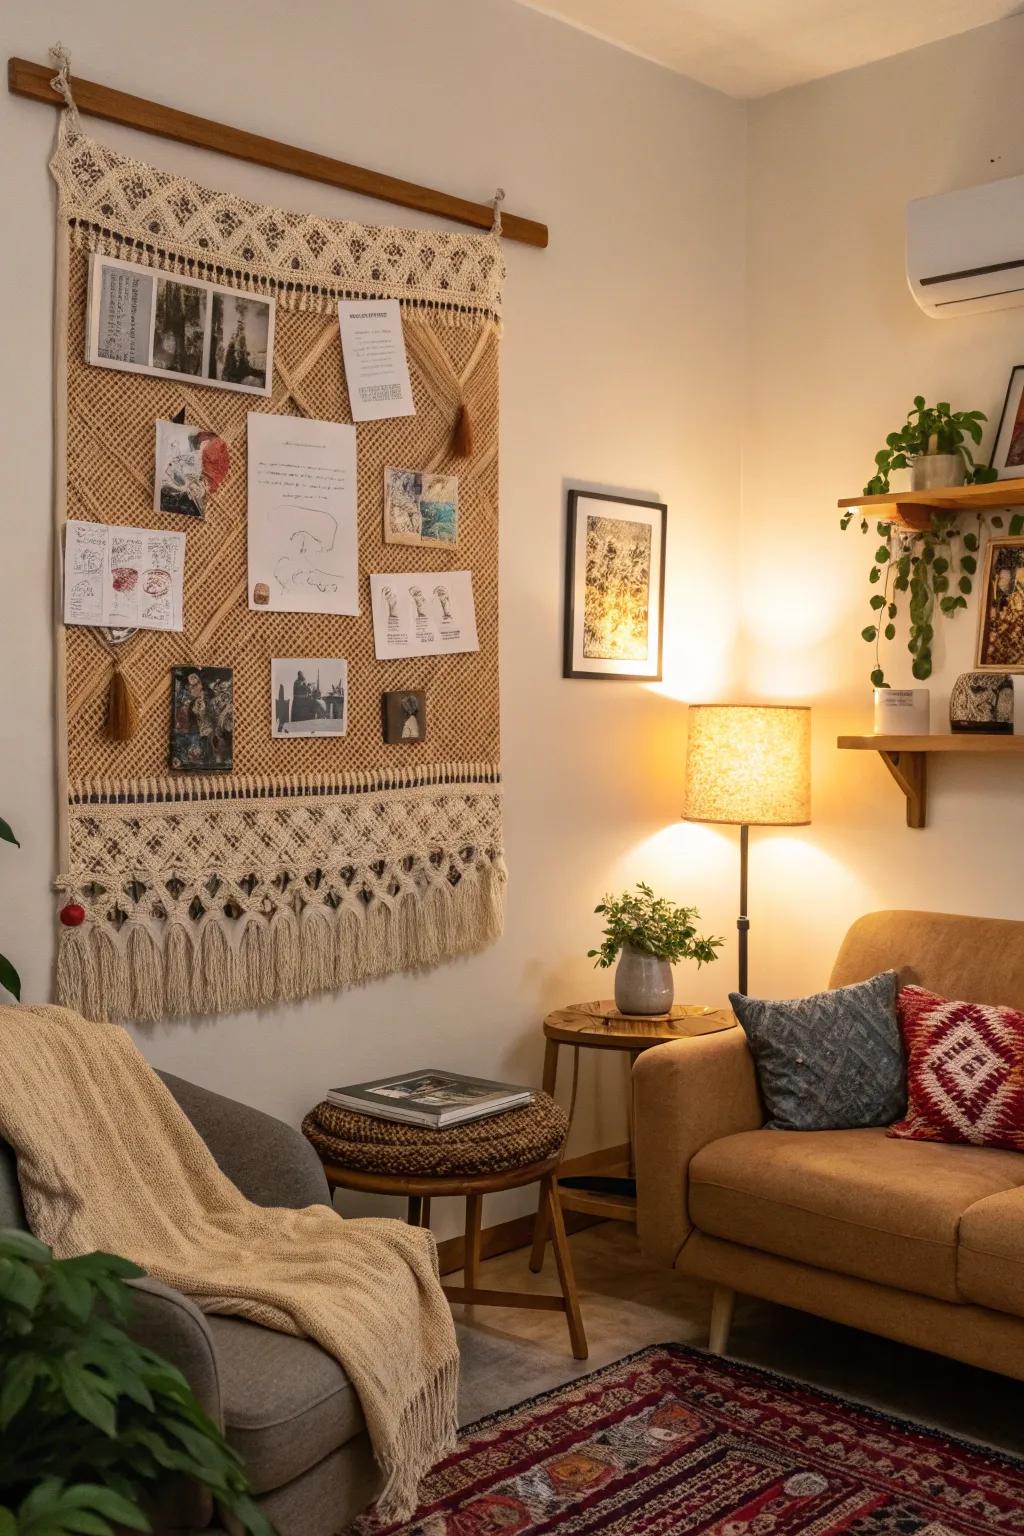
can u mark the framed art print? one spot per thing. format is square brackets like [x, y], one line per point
[1001, 617]
[614, 587]
[1008, 453]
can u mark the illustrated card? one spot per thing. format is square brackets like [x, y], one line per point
[420, 507]
[123, 578]
[190, 463]
[423, 613]
[202, 719]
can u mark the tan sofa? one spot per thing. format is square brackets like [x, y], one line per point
[917, 1241]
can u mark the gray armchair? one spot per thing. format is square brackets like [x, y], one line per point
[285, 1405]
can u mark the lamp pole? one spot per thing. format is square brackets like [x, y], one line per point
[743, 921]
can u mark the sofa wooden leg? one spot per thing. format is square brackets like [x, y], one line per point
[722, 1303]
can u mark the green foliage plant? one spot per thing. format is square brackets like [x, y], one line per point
[9, 978]
[652, 924]
[94, 1428]
[931, 569]
[931, 429]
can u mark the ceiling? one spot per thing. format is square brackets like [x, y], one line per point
[750, 47]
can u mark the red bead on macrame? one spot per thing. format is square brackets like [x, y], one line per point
[72, 916]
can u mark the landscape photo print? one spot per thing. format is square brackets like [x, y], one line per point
[614, 594]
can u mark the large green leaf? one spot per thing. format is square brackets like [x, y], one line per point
[6, 835]
[9, 978]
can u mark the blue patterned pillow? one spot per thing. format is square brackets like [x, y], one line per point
[830, 1062]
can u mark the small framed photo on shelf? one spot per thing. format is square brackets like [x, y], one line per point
[1001, 618]
[405, 715]
[614, 587]
[1008, 452]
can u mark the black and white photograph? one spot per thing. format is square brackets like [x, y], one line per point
[202, 719]
[146, 321]
[179, 331]
[405, 715]
[309, 696]
[239, 340]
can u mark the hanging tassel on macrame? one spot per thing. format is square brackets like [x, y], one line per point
[122, 717]
[462, 433]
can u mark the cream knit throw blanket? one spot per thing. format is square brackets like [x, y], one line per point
[107, 1160]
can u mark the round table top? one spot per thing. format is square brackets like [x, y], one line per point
[602, 1026]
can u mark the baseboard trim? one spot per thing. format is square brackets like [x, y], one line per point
[507, 1236]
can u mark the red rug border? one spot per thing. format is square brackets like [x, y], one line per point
[774, 1378]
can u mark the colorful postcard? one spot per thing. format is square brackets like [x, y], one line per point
[190, 463]
[202, 719]
[309, 696]
[420, 507]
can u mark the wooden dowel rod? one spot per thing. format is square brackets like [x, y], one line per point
[33, 82]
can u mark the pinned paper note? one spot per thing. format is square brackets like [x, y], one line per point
[376, 367]
[423, 613]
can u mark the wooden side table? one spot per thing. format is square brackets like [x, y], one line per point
[419, 1190]
[601, 1027]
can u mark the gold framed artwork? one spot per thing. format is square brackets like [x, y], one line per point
[614, 587]
[1001, 617]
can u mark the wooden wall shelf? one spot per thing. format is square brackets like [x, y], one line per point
[914, 509]
[906, 757]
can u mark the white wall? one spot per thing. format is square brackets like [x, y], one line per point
[837, 351]
[622, 367]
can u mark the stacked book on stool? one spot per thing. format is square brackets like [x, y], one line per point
[430, 1097]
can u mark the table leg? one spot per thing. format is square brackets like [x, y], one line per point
[563, 1263]
[425, 1212]
[540, 1234]
[471, 1261]
[550, 1078]
[414, 1215]
[631, 1169]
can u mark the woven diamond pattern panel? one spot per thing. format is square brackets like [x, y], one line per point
[283, 907]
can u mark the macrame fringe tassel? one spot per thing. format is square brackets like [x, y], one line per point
[122, 718]
[426, 1432]
[462, 433]
[171, 971]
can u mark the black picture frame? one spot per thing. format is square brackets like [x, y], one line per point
[1008, 416]
[612, 671]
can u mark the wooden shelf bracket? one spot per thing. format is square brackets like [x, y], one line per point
[910, 770]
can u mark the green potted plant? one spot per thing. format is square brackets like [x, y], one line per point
[648, 934]
[94, 1429]
[933, 445]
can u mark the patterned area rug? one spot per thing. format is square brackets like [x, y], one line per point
[672, 1440]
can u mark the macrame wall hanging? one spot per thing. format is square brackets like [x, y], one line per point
[315, 862]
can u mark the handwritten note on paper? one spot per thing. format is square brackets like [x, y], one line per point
[376, 367]
[303, 536]
[127, 578]
[423, 613]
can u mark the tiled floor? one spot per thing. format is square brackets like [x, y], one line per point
[511, 1355]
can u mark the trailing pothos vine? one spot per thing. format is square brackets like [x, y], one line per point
[935, 566]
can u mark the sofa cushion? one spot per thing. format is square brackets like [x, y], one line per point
[990, 1267]
[286, 1403]
[965, 1071]
[851, 1201]
[830, 1062]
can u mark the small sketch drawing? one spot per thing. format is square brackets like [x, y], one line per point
[88, 561]
[444, 598]
[416, 593]
[388, 594]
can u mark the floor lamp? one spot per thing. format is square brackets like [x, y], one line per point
[748, 765]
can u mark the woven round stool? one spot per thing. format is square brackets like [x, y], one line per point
[523, 1146]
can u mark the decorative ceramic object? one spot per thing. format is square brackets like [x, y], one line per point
[643, 983]
[933, 471]
[902, 712]
[982, 702]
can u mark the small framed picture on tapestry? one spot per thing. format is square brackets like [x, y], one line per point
[1008, 453]
[614, 587]
[1001, 620]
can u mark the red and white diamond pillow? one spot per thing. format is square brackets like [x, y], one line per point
[965, 1071]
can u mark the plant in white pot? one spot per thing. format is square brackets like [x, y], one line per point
[933, 445]
[648, 934]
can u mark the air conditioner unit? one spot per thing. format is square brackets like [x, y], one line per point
[965, 250]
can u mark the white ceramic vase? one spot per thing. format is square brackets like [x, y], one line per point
[934, 471]
[643, 983]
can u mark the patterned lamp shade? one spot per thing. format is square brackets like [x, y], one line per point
[749, 764]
